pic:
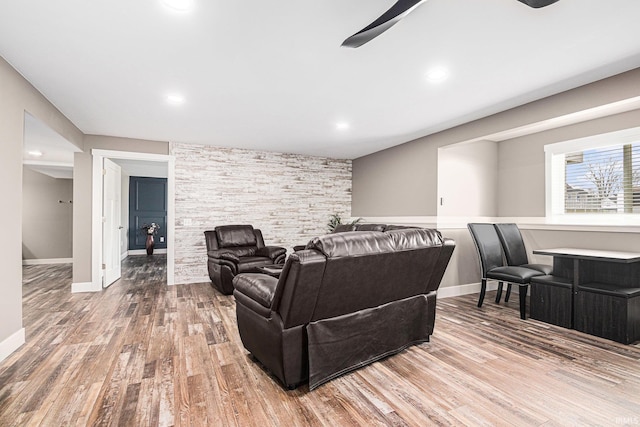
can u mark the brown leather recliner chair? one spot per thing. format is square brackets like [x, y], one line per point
[347, 300]
[233, 249]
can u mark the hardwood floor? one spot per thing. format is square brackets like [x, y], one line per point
[142, 353]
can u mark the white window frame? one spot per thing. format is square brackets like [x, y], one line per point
[554, 170]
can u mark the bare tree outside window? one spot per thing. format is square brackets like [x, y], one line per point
[603, 180]
[606, 177]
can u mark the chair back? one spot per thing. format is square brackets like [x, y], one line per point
[367, 269]
[242, 240]
[488, 246]
[512, 244]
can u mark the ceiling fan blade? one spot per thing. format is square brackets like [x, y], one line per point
[400, 9]
[538, 3]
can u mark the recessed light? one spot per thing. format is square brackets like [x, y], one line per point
[342, 125]
[179, 5]
[175, 99]
[437, 74]
[34, 153]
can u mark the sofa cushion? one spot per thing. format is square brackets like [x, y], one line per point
[235, 235]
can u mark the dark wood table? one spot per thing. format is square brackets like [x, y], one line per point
[605, 290]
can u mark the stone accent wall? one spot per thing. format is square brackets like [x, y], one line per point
[289, 197]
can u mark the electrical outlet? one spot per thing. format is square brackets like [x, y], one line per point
[161, 239]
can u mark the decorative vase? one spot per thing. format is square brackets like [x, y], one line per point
[150, 244]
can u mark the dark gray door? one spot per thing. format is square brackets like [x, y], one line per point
[147, 204]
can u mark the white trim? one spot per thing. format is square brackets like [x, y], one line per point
[458, 290]
[428, 221]
[40, 261]
[96, 223]
[85, 287]
[472, 288]
[124, 255]
[555, 178]
[45, 163]
[11, 343]
[581, 227]
[144, 251]
[171, 215]
[203, 279]
[96, 229]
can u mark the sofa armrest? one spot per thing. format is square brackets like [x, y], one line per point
[222, 254]
[260, 288]
[272, 252]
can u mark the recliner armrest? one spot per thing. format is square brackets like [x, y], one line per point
[260, 288]
[222, 254]
[272, 252]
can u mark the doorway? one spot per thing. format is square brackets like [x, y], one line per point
[127, 159]
[147, 205]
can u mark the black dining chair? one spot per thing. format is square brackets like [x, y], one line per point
[492, 265]
[516, 253]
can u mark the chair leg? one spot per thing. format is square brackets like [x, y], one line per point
[508, 294]
[483, 289]
[499, 293]
[523, 301]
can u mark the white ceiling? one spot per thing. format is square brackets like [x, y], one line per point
[272, 75]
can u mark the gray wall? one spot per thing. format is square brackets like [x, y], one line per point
[468, 179]
[82, 187]
[397, 181]
[18, 96]
[46, 223]
[289, 197]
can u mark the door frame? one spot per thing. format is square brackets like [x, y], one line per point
[96, 209]
[109, 223]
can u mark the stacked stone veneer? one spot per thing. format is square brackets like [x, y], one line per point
[289, 197]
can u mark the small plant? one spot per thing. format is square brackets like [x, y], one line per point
[151, 229]
[335, 220]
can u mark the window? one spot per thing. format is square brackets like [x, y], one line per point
[591, 179]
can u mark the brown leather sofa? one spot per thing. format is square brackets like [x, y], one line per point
[347, 300]
[233, 249]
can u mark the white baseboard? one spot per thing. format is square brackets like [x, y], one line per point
[144, 251]
[123, 255]
[85, 287]
[203, 279]
[11, 344]
[471, 288]
[47, 261]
